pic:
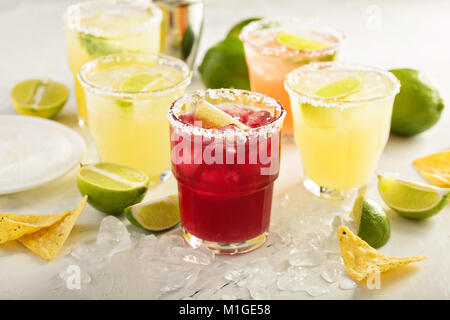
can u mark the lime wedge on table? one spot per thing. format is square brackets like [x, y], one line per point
[295, 42]
[41, 98]
[371, 221]
[215, 117]
[155, 215]
[110, 187]
[139, 81]
[340, 88]
[410, 199]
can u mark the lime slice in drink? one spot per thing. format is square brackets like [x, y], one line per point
[41, 98]
[340, 88]
[371, 221]
[410, 199]
[215, 117]
[140, 81]
[110, 187]
[155, 215]
[295, 42]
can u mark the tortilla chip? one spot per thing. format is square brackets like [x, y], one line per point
[47, 242]
[35, 219]
[361, 260]
[435, 168]
[14, 226]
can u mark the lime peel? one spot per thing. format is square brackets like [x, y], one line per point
[139, 81]
[341, 88]
[155, 215]
[411, 199]
[111, 187]
[295, 42]
[216, 117]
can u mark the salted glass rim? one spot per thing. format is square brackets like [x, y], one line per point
[300, 23]
[198, 95]
[317, 101]
[73, 13]
[160, 59]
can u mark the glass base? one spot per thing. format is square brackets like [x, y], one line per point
[157, 180]
[81, 123]
[288, 138]
[329, 193]
[226, 248]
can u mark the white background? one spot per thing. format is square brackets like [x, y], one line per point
[406, 34]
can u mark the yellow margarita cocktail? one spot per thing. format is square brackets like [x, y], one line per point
[128, 97]
[98, 28]
[276, 46]
[342, 115]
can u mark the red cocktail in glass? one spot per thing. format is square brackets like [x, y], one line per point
[225, 171]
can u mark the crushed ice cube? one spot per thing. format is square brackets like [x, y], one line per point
[306, 257]
[199, 255]
[292, 279]
[113, 236]
[316, 291]
[347, 284]
[260, 293]
[167, 242]
[332, 272]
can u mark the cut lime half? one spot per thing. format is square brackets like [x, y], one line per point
[155, 215]
[411, 199]
[140, 81]
[340, 88]
[371, 221]
[111, 187]
[215, 117]
[41, 98]
[295, 42]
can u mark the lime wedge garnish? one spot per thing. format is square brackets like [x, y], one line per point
[371, 221]
[139, 81]
[41, 98]
[410, 199]
[111, 187]
[340, 88]
[295, 42]
[215, 117]
[155, 215]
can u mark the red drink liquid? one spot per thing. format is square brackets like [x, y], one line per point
[227, 203]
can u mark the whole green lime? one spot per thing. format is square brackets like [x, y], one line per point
[418, 105]
[224, 64]
[237, 28]
[371, 221]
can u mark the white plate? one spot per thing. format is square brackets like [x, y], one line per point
[34, 151]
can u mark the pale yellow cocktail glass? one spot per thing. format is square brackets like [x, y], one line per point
[102, 27]
[340, 139]
[129, 125]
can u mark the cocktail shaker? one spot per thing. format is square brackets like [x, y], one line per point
[181, 28]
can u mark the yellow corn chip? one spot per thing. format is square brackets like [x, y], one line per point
[435, 168]
[35, 219]
[47, 242]
[14, 225]
[361, 260]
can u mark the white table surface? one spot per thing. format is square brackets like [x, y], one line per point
[409, 34]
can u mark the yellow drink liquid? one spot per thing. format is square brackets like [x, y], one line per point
[341, 139]
[95, 29]
[131, 128]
